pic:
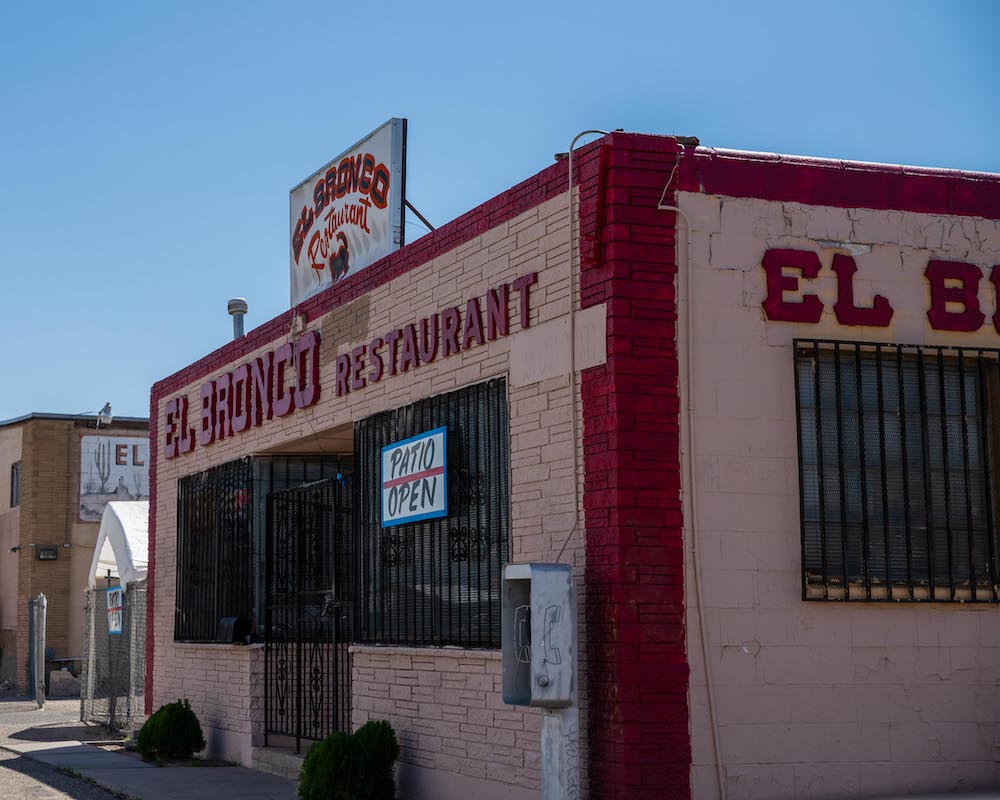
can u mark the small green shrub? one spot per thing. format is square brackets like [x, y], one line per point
[172, 732]
[352, 767]
[380, 749]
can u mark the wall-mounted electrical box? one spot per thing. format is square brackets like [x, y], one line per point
[44, 552]
[538, 635]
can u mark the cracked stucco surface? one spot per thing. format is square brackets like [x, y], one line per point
[818, 699]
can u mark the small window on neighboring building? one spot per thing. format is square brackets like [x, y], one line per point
[437, 581]
[15, 485]
[898, 448]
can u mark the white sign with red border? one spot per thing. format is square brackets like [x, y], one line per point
[348, 214]
[415, 478]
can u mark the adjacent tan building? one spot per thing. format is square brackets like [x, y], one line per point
[58, 470]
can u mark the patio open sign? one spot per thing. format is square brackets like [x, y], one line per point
[415, 478]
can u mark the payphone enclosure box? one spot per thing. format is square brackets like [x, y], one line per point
[538, 635]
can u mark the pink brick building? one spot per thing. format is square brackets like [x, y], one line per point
[754, 408]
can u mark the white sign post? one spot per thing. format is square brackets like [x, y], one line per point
[116, 606]
[349, 213]
[415, 478]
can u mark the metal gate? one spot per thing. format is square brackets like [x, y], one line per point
[307, 614]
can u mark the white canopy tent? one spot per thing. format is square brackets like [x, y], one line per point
[122, 543]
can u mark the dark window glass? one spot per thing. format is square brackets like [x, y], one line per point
[437, 581]
[275, 475]
[15, 485]
[221, 525]
[897, 447]
[215, 566]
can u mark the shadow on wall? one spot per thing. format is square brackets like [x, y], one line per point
[8, 658]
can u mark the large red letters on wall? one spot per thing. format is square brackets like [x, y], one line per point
[445, 333]
[272, 385]
[954, 291]
[286, 379]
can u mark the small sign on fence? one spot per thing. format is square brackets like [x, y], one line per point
[415, 478]
[115, 606]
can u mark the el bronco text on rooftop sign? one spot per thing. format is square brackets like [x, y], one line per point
[361, 174]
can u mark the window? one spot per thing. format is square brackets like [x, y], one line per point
[437, 581]
[215, 567]
[274, 475]
[897, 454]
[15, 485]
[221, 524]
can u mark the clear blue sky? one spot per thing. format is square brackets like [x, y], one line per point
[148, 149]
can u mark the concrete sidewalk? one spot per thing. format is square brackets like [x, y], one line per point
[137, 779]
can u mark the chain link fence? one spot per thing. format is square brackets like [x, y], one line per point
[114, 664]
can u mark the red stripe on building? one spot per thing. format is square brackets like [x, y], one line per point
[416, 476]
[842, 184]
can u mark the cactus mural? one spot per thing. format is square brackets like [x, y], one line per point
[102, 458]
[111, 468]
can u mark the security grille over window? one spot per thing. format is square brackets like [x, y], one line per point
[897, 453]
[221, 524]
[215, 567]
[437, 582]
[275, 474]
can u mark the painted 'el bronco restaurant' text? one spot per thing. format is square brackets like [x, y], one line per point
[281, 381]
[274, 384]
[440, 335]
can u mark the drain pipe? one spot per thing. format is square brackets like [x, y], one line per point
[689, 500]
[572, 341]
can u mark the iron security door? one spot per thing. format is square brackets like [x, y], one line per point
[307, 671]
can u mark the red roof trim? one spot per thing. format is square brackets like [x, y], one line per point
[843, 184]
[734, 173]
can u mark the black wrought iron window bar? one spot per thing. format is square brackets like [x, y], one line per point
[898, 453]
[221, 526]
[215, 575]
[437, 582]
[274, 474]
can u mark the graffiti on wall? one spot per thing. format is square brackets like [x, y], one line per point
[111, 468]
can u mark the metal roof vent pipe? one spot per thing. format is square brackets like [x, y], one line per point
[237, 308]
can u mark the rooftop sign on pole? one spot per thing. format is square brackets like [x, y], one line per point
[349, 213]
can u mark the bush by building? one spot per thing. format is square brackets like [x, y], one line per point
[172, 732]
[352, 767]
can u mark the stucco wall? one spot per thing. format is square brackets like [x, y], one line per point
[817, 699]
[536, 362]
